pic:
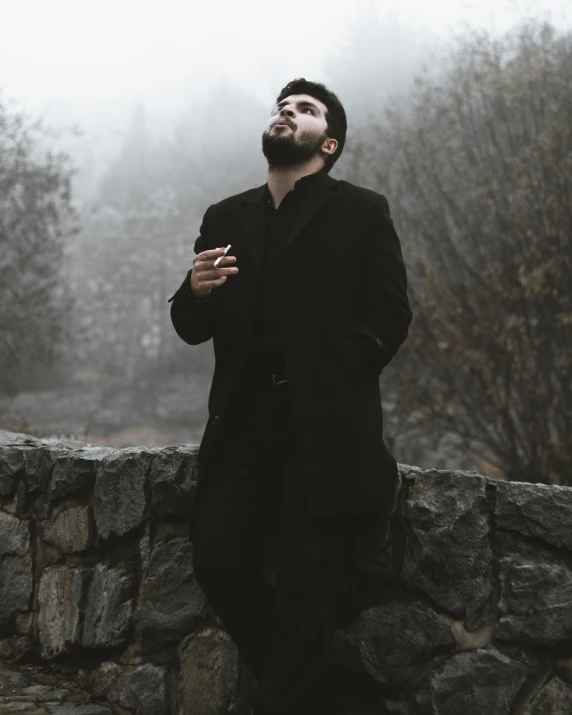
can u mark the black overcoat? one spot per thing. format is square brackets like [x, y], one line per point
[343, 291]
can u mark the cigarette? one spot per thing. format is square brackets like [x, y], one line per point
[219, 259]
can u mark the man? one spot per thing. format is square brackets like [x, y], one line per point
[306, 309]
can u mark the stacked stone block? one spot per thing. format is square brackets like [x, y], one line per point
[463, 606]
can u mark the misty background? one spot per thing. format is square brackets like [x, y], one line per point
[121, 122]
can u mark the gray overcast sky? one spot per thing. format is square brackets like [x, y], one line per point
[73, 60]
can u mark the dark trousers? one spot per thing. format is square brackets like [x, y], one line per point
[250, 517]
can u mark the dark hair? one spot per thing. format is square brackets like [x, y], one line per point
[335, 115]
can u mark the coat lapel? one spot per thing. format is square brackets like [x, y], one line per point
[316, 196]
[252, 217]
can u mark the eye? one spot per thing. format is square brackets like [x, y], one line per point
[308, 109]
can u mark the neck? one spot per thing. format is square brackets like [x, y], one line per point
[281, 179]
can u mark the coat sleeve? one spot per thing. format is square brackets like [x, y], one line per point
[193, 319]
[386, 312]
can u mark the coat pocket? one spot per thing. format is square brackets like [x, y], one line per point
[373, 351]
[364, 354]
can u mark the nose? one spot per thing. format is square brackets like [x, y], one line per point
[286, 111]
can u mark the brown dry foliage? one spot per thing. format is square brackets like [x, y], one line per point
[480, 178]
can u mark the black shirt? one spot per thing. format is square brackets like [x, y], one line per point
[267, 348]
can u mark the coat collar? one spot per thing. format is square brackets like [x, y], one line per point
[318, 189]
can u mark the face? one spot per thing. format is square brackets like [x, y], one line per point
[296, 132]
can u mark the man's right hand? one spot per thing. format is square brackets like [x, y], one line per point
[204, 277]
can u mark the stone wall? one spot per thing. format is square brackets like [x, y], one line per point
[463, 607]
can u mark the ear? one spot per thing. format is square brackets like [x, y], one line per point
[330, 146]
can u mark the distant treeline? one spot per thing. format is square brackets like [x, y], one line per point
[476, 161]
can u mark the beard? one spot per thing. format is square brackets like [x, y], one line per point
[288, 151]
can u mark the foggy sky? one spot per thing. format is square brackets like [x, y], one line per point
[89, 61]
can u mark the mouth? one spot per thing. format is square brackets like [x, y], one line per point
[282, 124]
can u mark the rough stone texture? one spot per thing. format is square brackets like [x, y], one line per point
[18, 439]
[11, 468]
[70, 529]
[208, 679]
[74, 472]
[60, 595]
[109, 605]
[476, 682]
[536, 594]
[392, 641]
[141, 690]
[171, 601]
[448, 552]
[14, 535]
[14, 648]
[463, 606]
[536, 510]
[11, 678]
[38, 465]
[173, 480]
[16, 580]
[554, 699]
[99, 680]
[120, 500]
[34, 692]
[45, 556]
